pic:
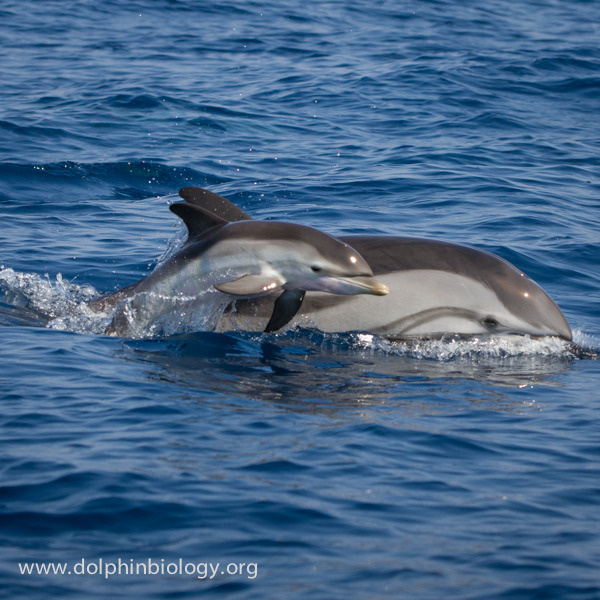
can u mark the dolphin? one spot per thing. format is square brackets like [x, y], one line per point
[435, 288]
[239, 258]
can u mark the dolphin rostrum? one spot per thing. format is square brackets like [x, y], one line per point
[239, 259]
[435, 288]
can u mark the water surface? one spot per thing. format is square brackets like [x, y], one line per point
[341, 465]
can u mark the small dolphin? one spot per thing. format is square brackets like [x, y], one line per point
[435, 288]
[240, 259]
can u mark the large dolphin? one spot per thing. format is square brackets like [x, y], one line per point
[226, 258]
[435, 288]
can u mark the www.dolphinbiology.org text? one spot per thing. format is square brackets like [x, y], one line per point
[119, 567]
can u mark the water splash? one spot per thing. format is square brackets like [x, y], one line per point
[57, 304]
[135, 318]
[63, 305]
[174, 244]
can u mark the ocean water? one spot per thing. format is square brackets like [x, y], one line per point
[307, 465]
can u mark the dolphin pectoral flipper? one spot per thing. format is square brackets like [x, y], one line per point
[286, 306]
[250, 285]
[213, 203]
[196, 219]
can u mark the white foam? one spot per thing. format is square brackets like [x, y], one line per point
[455, 347]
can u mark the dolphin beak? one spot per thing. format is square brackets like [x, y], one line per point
[548, 317]
[342, 285]
[365, 285]
[371, 286]
[562, 330]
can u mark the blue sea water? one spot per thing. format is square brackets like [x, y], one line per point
[338, 466]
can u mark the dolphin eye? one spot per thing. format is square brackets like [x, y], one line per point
[316, 269]
[490, 322]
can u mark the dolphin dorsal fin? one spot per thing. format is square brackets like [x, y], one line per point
[213, 203]
[197, 220]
